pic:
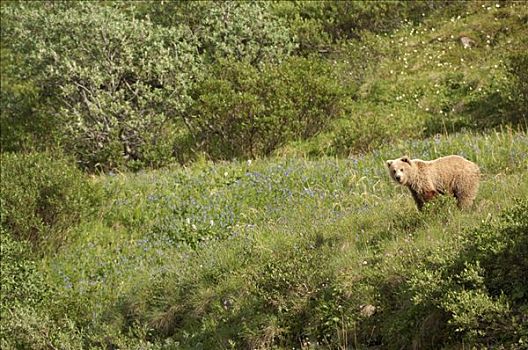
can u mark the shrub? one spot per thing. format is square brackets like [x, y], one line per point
[238, 30]
[120, 83]
[241, 111]
[518, 69]
[43, 197]
[481, 289]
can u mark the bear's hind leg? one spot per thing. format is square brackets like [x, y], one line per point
[464, 202]
[466, 197]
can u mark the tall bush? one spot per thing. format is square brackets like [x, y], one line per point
[121, 83]
[243, 111]
[238, 30]
[118, 75]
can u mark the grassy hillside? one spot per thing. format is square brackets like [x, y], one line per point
[422, 81]
[287, 252]
[313, 247]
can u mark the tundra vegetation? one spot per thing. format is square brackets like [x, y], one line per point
[211, 175]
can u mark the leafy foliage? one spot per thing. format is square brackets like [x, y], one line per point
[241, 111]
[121, 84]
[43, 197]
[480, 288]
[227, 30]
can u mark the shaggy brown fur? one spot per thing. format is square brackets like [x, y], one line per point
[450, 175]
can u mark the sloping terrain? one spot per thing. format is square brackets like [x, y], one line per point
[312, 247]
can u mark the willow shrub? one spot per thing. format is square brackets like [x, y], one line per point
[244, 111]
[118, 83]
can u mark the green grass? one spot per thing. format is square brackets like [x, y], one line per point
[423, 82]
[295, 248]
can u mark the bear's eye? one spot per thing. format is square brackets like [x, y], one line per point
[401, 170]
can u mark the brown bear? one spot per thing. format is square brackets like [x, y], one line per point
[450, 175]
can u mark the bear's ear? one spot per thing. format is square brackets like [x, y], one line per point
[405, 159]
[389, 162]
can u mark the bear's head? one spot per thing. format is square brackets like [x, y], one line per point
[400, 169]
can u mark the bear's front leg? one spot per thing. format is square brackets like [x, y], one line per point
[417, 199]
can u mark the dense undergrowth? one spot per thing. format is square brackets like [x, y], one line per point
[260, 214]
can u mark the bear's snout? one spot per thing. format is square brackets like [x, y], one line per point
[398, 178]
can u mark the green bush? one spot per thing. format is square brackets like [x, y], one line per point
[43, 197]
[238, 30]
[23, 323]
[119, 83]
[243, 111]
[118, 77]
[518, 68]
[481, 289]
